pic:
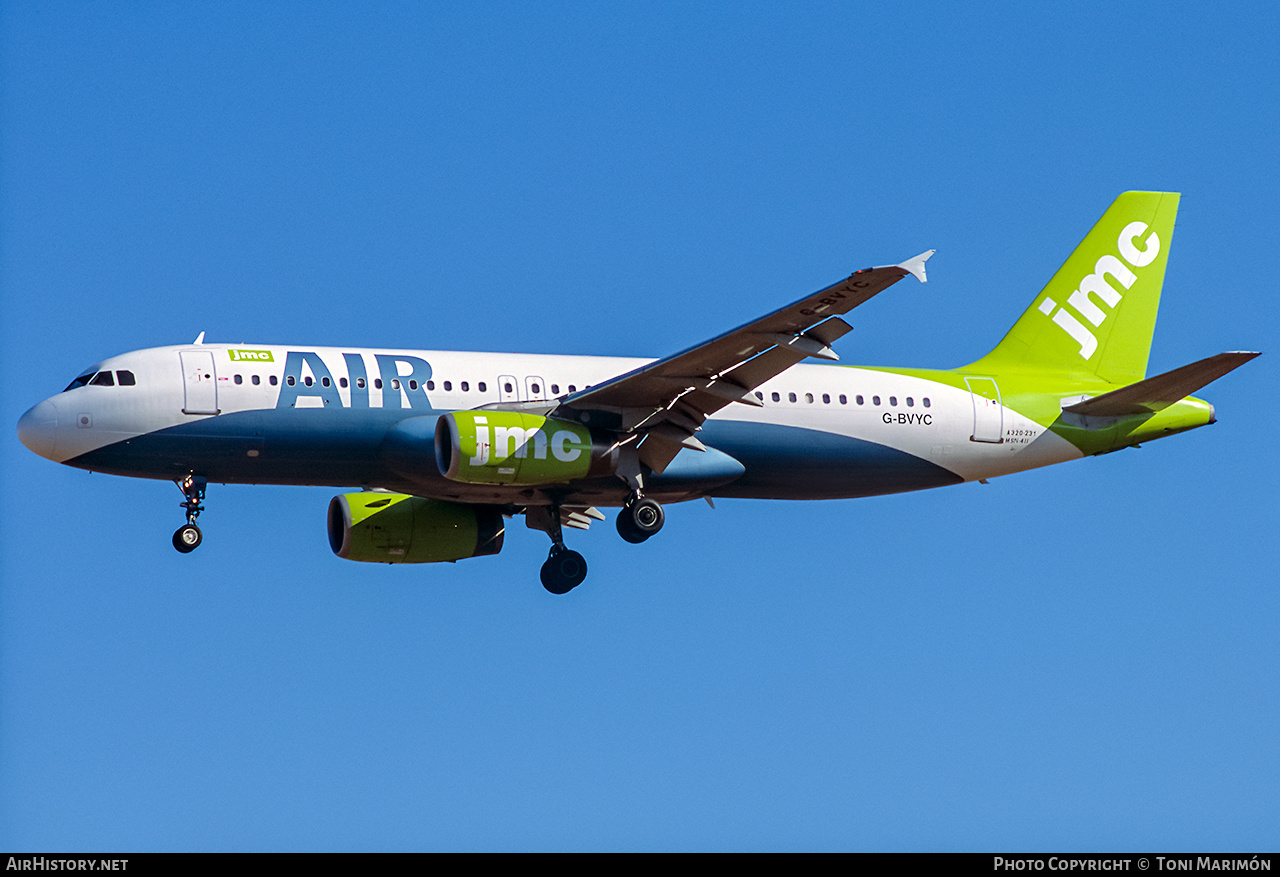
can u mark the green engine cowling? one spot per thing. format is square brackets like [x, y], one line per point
[510, 447]
[395, 528]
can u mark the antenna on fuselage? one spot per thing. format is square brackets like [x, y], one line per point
[199, 339]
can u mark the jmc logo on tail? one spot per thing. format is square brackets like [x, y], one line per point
[1097, 284]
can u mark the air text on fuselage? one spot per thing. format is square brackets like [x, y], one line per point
[400, 378]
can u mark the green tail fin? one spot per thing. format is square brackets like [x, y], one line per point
[1095, 318]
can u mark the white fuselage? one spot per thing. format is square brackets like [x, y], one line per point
[314, 415]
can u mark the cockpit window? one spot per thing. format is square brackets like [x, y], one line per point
[125, 378]
[80, 381]
[103, 379]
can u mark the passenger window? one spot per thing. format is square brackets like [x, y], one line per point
[506, 388]
[413, 384]
[893, 400]
[826, 398]
[808, 397]
[342, 382]
[875, 400]
[481, 387]
[125, 378]
[791, 397]
[555, 389]
[324, 382]
[572, 388]
[844, 400]
[256, 380]
[289, 380]
[465, 387]
[360, 383]
[859, 399]
[536, 389]
[910, 402]
[448, 386]
[238, 379]
[377, 383]
[274, 380]
[777, 398]
[760, 396]
[308, 380]
[926, 401]
[395, 383]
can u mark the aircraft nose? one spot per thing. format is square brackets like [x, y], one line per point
[38, 429]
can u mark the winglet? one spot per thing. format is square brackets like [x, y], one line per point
[915, 265]
[199, 339]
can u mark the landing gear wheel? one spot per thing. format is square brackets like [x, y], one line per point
[627, 530]
[187, 538]
[640, 519]
[563, 571]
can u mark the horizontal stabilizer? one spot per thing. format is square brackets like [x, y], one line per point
[1162, 390]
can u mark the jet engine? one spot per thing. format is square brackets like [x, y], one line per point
[395, 528]
[510, 447]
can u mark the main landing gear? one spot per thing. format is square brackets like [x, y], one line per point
[564, 568]
[639, 519]
[188, 537]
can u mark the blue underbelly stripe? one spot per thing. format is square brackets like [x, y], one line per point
[345, 447]
[788, 462]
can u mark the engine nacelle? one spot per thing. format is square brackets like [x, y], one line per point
[509, 447]
[395, 528]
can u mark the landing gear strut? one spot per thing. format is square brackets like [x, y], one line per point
[188, 537]
[639, 519]
[564, 569]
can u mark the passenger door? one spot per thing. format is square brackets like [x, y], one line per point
[200, 382]
[988, 413]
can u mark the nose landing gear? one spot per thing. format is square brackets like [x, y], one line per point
[188, 537]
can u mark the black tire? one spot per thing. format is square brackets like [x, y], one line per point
[646, 516]
[627, 530]
[563, 571]
[187, 538]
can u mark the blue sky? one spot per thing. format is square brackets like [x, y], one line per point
[1082, 657]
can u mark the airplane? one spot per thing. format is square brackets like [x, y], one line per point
[445, 447]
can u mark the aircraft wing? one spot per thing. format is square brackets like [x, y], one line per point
[665, 402]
